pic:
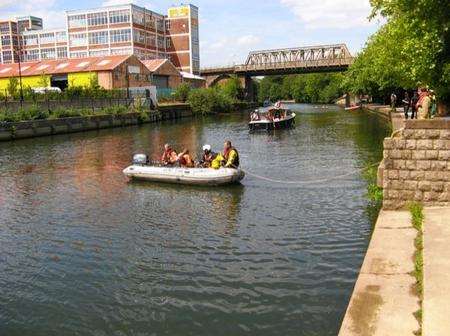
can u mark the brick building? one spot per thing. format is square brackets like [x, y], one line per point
[113, 30]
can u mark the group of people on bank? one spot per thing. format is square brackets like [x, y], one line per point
[229, 158]
[422, 104]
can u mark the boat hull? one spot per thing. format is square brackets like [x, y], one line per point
[189, 176]
[272, 125]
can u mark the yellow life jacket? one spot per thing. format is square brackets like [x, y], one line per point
[216, 163]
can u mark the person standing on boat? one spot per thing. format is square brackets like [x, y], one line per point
[169, 157]
[207, 157]
[230, 156]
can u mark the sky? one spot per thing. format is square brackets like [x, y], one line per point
[230, 29]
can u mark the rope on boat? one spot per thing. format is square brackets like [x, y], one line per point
[338, 177]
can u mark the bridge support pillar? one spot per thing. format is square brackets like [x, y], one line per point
[247, 84]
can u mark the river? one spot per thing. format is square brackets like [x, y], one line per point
[85, 252]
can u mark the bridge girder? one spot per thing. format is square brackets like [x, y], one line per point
[303, 54]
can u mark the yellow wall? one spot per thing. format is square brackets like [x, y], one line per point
[31, 81]
[80, 78]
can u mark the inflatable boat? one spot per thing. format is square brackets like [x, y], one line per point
[141, 170]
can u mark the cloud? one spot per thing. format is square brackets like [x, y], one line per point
[342, 14]
[123, 2]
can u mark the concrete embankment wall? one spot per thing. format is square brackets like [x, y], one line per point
[416, 165]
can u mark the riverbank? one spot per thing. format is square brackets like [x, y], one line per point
[36, 128]
[384, 300]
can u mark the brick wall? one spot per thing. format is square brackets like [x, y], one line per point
[416, 165]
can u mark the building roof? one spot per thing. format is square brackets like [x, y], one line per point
[63, 66]
[189, 75]
[154, 64]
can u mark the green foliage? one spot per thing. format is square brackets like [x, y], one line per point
[13, 86]
[309, 88]
[233, 89]
[209, 100]
[43, 81]
[182, 92]
[411, 49]
[417, 217]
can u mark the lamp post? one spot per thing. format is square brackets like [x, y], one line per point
[19, 52]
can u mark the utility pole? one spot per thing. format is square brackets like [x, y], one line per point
[127, 75]
[19, 52]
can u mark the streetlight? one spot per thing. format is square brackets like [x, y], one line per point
[19, 52]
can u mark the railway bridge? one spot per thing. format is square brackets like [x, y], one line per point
[323, 58]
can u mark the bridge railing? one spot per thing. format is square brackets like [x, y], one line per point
[335, 62]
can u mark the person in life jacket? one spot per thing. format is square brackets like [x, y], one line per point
[207, 157]
[185, 160]
[169, 156]
[230, 156]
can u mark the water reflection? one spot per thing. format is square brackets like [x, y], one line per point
[83, 251]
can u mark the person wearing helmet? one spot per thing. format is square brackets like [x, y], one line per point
[207, 157]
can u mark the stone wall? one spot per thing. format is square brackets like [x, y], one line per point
[416, 165]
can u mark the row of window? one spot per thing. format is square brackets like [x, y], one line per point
[148, 20]
[98, 19]
[118, 36]
[45, 53]
[45, 38]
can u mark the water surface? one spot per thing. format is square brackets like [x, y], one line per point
[85, 252]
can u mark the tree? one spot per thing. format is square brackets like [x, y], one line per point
[411, 49]
[13, 86]
[233, 88]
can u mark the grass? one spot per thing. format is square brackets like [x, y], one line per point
[416, 210]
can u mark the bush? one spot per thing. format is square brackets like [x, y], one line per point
[182, 92]
[210, 100]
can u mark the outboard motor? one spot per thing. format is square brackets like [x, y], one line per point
[140, 159]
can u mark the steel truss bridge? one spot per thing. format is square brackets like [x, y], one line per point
[324, 58]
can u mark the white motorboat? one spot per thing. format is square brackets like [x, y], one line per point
[193, 176]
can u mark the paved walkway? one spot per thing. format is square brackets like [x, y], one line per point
[383, 301]
[436, 304]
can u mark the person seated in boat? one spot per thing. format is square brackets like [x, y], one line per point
[185, 160]
[230, 156]
[169, 157]
[207, 157]
[255, 116]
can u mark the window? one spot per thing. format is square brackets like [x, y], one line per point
[99, 53]
[123, 51]
[167, 24]
[119, 16]
[150, 21]
[78, 54]
[32, 55]
[31, 39]
[98, 37]
[160, 24]
[48, 53]
[61, 52]
[160, 42]
[138, 17]
[77, 40]
[120, 35]
[151, 40]
[77, 21]
[4, 28]
[6, 40]
[168, 43]
[47, 38]
[7, 57]
[61, 37]
[97, 19]
[139, 36]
